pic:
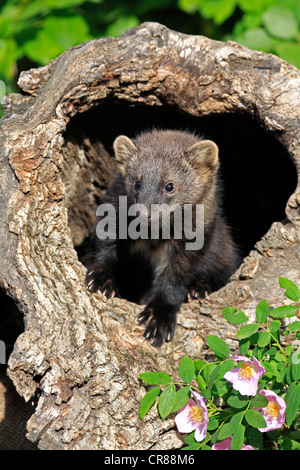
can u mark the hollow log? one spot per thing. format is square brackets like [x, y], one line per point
[78, 355]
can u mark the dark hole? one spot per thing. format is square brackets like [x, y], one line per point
[15, 412]
[11, 325]
[258, 174]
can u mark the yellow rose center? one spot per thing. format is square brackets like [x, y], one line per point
[245, 371]
[272, 410]
[195, 415]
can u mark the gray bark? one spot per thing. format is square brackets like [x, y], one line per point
[80, 354]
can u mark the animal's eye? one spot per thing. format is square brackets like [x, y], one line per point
[169, 188]
[137, 185]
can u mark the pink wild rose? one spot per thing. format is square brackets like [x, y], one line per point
[245, 378]
[274, 412]
[193, 417]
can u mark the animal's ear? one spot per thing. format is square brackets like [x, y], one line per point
[204, 155]
[124, 149]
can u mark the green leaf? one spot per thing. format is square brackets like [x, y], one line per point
[284, 311]
[292, 400]
[229, 428]
[295, 368]
[201, 382]
[273, 350]
[292, 292]
[295, 326]
[148, 400]
[226, 431]
[189, 439]
[244, 345]
[280, 22]
[218, 10]
[206, 394]
[186, 369]
[253, 339]
[238, 437]
[218, 346]
[288, 375]
[155, 378]
[255, 419]
[262, 311]
[207, 371]
[167, 401]
[275, 325]
[238, 401]
[213, 377]
[213, 423]
[247, 331]
[225, 367]
[182, 398]
[281, 376]
[263, 339]
[232, 315]
[259, 401]
[271, 368]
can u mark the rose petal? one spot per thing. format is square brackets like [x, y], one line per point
[184, 425]
[277, 421]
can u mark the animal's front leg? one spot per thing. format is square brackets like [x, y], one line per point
[101, 269]
[160, 313]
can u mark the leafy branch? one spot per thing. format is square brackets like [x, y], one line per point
[237, 401]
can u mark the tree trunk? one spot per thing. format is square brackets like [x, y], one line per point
[79, 355]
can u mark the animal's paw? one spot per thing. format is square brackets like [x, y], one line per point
[199, 290]
[96, 280]
[160, 326]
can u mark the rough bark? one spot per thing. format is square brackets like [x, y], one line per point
[80, 354]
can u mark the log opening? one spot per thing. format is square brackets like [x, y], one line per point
[257, 174]
[11, 323]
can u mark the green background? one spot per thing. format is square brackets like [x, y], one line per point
[32, 32]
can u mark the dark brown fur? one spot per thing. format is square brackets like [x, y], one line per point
[163, 269]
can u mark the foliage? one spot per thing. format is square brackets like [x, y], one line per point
[274, 28]
[266, 25]
[33, 32]
[242, 418]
